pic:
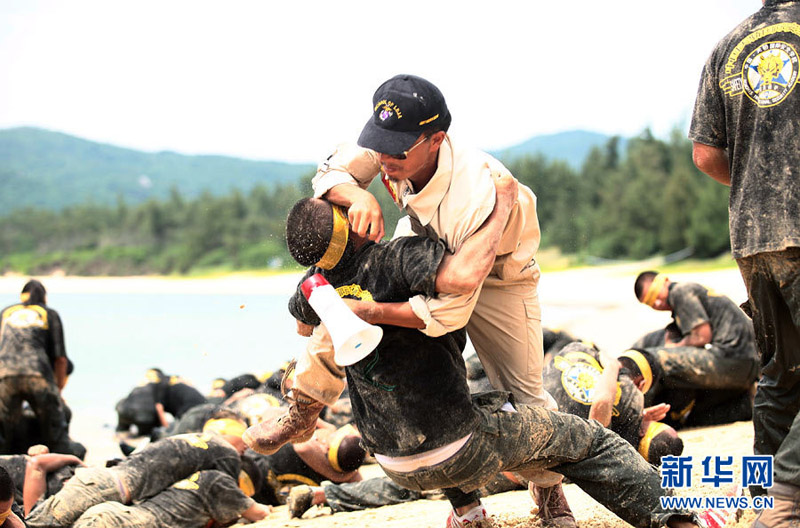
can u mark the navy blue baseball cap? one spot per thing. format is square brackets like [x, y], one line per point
[402, 108]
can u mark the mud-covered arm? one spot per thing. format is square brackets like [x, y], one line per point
[315, 455]
[257, 512]
[56, 348]
[298, 304]
[605, 390]
[700, 336]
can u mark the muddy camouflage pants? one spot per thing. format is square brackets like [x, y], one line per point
[382, 491]
[596, 459]
[687, 367]
[89, 487]
[45, 401]
[114, 514]
[773, 287]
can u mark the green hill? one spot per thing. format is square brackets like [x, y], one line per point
[572, 147]
[52, 170]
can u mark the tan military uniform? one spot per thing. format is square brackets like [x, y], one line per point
[503, 317]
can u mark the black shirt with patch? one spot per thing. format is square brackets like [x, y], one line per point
[747, 103]
[199, 498]
[393, 388]
[731, 330]
[31, 339]
[176, 457]
[571, 379]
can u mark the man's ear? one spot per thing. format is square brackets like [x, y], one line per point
[437, 138]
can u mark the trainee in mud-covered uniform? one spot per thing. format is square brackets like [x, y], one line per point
[142, 475]
[204, 498]
[33, 367]
[55, 469]
[744, 133]
[146, 404]
[429, 435]
[572, 377]
[715, 348]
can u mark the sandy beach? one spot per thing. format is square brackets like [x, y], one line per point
[594, 303]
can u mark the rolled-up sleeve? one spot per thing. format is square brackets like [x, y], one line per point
[349, 164]
[444, 313]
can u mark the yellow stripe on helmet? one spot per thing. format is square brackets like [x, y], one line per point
[333, 447]
[644, 366]
[341, 232]
[225, 426]
[655, 288]
[246, 484]
[653, 430]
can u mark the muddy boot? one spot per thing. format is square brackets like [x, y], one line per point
[297, 425]
[553, 508]
[786, 510]
[301, 498]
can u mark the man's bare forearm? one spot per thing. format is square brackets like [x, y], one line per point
[462, 272]
[344, 194]
[388, 313]
[713, 161]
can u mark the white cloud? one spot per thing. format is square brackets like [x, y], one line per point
[271, 80]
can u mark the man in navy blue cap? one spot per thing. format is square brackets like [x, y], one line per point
[448, 192]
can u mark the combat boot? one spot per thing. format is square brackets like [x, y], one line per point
[297, 425]
[786, 510]
[553, 508]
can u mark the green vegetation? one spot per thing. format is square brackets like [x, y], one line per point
[649, 200]
[51, 170]
[646, 201]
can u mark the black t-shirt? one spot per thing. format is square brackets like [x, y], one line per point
[289, 469]
[31, 339]
[15, 466]
[410, 394]
[199, 498]
[194, 419]
[571, 379]
[176, 457]
[747, 103]
[732, 331]
[178, 396]
[138, 407]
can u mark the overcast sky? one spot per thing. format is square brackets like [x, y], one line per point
[287, 80]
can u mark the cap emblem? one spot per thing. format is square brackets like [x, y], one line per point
[388, 109]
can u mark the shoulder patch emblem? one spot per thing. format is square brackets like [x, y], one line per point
[188, 483]
[768, 72]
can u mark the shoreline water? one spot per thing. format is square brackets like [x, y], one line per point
[279, 283]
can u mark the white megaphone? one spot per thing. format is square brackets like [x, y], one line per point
[353, 338]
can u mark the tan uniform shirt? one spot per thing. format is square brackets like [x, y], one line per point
[452, 206]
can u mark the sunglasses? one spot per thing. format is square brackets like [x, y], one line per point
[403, 155]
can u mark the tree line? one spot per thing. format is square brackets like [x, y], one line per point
[647, 200]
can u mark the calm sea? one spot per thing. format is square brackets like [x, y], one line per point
[114, 338]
